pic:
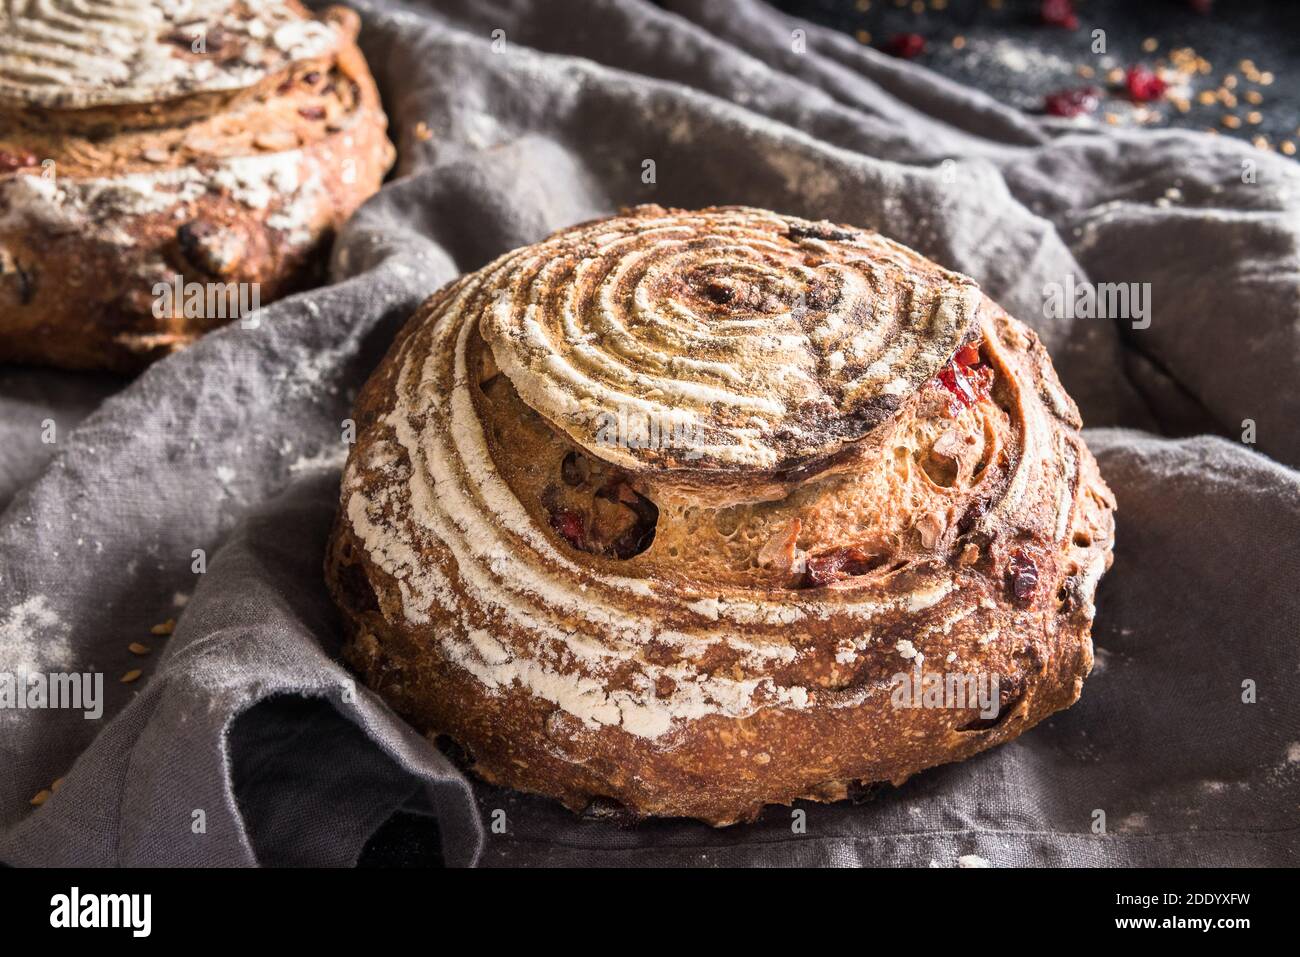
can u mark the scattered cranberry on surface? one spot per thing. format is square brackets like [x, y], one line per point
[1072, 102]
[905, 45]
[1144, 84]
[1059, 13]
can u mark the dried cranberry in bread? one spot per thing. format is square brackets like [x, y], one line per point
[214, 142]
[658, 510]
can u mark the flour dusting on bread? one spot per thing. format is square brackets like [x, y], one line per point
[66, 54]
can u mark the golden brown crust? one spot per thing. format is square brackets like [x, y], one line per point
[109, 207]
[586, 629]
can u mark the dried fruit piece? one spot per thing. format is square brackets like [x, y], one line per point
[905, 46]
[966, 385]
[967, 355]
[966, 379]
[1144, 84]
[1023, 574]
[1072, 102]
[1059, 13]
[571, 527]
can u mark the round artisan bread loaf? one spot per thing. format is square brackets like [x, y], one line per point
[686, 511]
[168, 166]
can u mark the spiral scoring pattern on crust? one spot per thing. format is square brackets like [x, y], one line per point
[506, 602]
[80, 53]
[771, 341]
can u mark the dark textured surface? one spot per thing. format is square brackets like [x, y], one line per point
[1012, 55]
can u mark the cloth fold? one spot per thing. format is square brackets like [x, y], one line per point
[247, 742]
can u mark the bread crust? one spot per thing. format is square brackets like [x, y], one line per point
[732, 659]
[111, 201]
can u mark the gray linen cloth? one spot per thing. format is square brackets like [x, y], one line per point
[247, 742]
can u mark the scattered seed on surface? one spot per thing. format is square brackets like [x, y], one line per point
[131, 675]
[166, 628]
[40, 797]
[138, 649]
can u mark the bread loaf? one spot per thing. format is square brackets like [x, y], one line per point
[682, 510]
[149, 148]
